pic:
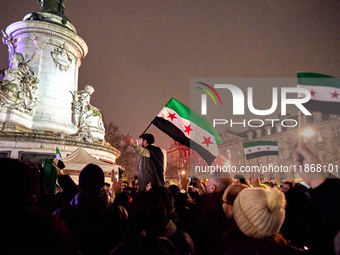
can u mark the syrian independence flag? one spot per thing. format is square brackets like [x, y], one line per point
[260, 148]
[324, 90]
[188, 128]
[58, 154]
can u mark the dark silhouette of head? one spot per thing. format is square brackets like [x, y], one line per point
[91, 178]
[21, 183]
[149, 138]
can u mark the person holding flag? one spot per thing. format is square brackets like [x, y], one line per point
[184, 126]
[52, 166]
[151, 162]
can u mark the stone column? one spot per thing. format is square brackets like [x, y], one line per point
[250, 135]
[278, 127]
[268, 130]
[258, 133]
[317, 117]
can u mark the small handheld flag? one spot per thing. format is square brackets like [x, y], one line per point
[258, 149]
[50, 175]
[188, 128]
[58, 154]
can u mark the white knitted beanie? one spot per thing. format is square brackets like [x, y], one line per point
[258, 212]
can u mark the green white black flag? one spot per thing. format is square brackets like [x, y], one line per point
[324, 90]
[189, 128]
[260, 148]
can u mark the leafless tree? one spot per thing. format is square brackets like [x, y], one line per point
[128, 158]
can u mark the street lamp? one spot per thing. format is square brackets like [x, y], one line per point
[308, 132]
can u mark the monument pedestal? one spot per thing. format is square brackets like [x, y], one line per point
[60, 51]
[41, 107]
[14, 116]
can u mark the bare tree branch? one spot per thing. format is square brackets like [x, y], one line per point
[128, 158]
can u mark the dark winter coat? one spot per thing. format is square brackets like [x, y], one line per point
[97, 224]
[151, 169]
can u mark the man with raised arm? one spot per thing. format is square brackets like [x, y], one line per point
[150, 170]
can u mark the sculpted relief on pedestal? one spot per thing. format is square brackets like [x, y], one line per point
[84, 115]
[62, 58]
[11, 43]
[19, 84]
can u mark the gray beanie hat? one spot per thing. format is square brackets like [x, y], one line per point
[258, 212]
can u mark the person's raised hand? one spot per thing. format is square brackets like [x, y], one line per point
[117, 186]
[254, 180]
[183, 181]
[128, 140]
[308, 163]
[306, 154]
[199, 187]
[148, 187]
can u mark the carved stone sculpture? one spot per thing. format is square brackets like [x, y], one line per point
[84, 114]
[10, 42]
[62, 58]
[19, 85]
[84, 134]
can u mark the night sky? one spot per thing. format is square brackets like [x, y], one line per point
[142, 53]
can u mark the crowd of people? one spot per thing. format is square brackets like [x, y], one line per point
[230, 215]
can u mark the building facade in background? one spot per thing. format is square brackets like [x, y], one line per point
[321, 130]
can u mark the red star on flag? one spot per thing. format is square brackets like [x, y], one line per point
[188, 129]
[207, 141]
[172, 116]
[268, 148]
[258, 148]
[312, 93]
[335, 95]
[249, 150]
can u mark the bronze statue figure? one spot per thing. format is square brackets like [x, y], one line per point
[53, 5]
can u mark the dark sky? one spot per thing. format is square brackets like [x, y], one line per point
[142, 53]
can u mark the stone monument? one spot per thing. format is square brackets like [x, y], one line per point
[41, 106]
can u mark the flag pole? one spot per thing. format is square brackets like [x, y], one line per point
[147, 128]
[299, 127]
